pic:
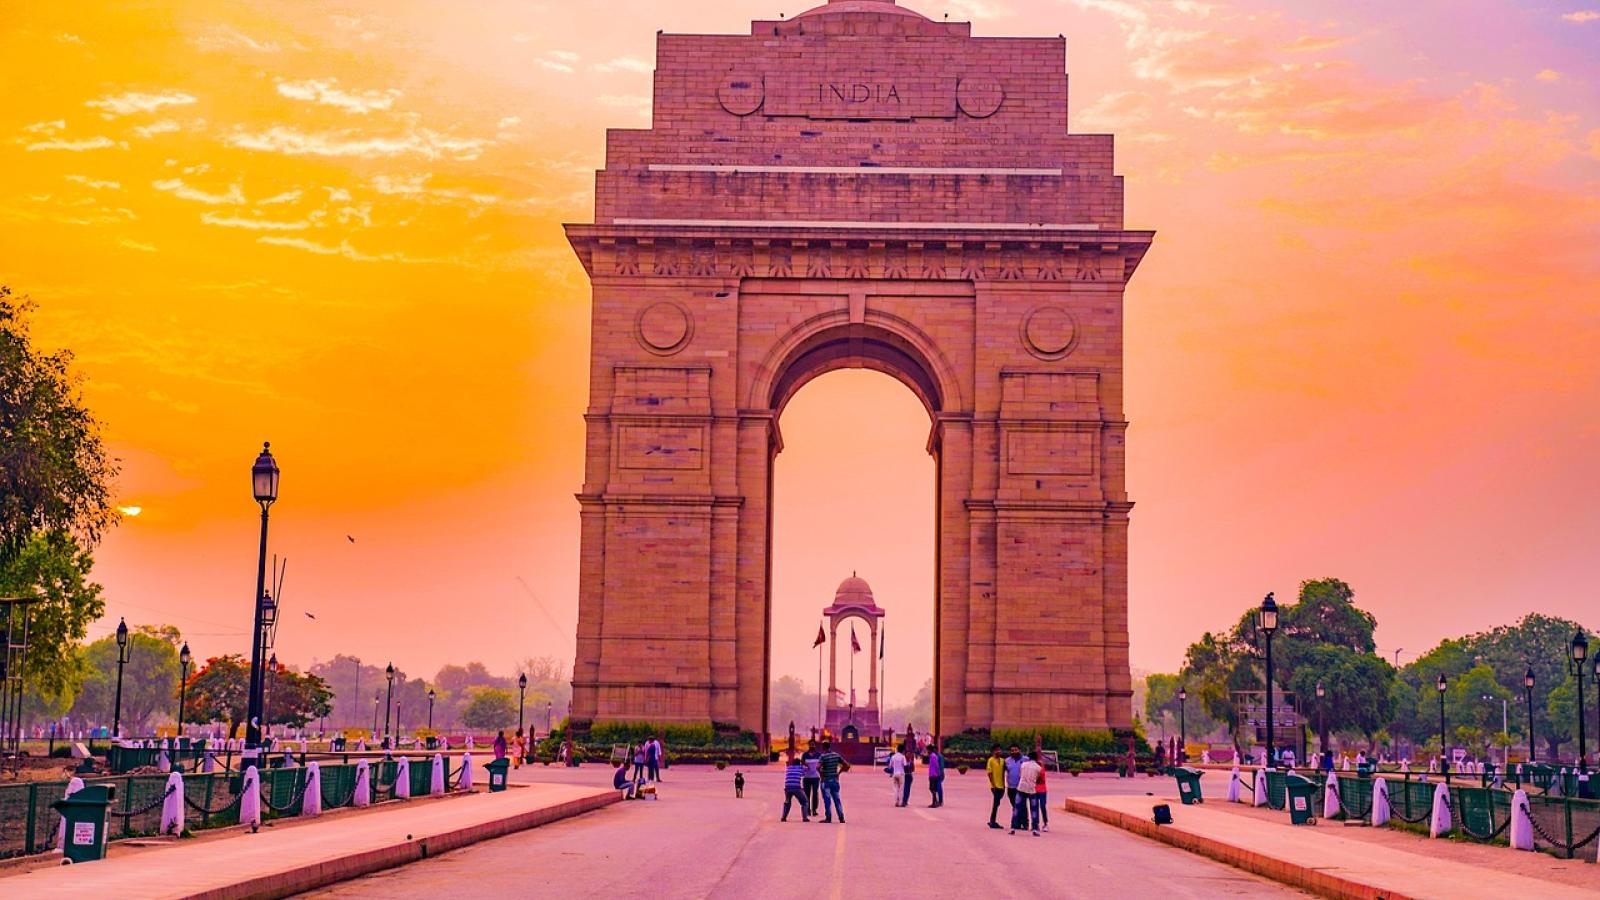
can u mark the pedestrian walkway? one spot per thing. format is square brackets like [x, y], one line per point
[278, 862]
[1324, 861]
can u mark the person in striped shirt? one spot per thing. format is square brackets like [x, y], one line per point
[793, 789]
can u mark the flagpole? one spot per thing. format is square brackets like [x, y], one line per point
[819, 679]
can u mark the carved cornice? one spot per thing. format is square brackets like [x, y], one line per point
[894, 253]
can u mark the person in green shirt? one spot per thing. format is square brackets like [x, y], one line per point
[996, 767]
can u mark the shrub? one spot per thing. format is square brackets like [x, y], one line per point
[961, 769]
[721, 764]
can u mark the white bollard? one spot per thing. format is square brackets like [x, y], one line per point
[1347, 764]
[363, 795]
[436, 785]
[1235, 784]
[1330, 797]
[250, 805]
[402, 779]
[466, 771]
[1260, 798]
[1380, 802]
[1521, 836]
[311, 800]
[73, 786]
[210, 763]
[1439, 824]
[162, 762]
[172, 807]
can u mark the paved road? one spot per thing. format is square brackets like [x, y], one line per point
[698, 841]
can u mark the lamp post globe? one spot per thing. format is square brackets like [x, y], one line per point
[184, 659]
[1527, 687]
[522, 693]
[1183, 724]
[1268, 623]
[1322, 740]
[123, 651]
[388, 703]
[375, 698]
[264, 475]
[431, 695]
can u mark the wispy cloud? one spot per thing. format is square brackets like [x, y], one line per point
[67, 37]
[132, 244]
[94, 143]
[327, 93]
[95, 183]
[138, 102]
[623, 64]
[1548, 75]
[183, 191]
[252, 224]
[423, 142]
[342, 249]
[1582, 15]
[285, 197]
[160, 126]
[553, 65]
[54, 126]
[225, 37]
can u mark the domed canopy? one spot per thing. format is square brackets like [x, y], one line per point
[886, 7]
[853, 591]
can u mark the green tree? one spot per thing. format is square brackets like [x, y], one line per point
[55, 474]
[53, 568]
[149, 680]
[220, 692]
[1161, 700]
[1357, 693]
[489, 708]
[1561, 711]
[292, 698]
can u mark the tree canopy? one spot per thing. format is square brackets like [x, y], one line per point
[149, 680]
[489, 708]
[220, 692]
[52, 567]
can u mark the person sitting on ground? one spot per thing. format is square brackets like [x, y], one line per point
[738, 784]
[794, 789]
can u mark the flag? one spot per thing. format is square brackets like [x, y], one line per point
[822, 637]
[855, 645]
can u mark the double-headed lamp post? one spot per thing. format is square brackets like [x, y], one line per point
[1527, 690]
[388, 703]
[1183, 724]
[264, 483]
[1580, 653]
[124, 649]
[522, 692]
[431, 695]
[1268, 622]
[184, 659]
[1444, 762]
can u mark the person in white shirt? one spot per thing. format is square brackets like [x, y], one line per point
[897, 774]
[1028, 788]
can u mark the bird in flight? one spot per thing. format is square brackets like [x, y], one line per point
[311, 617]
[350, 539]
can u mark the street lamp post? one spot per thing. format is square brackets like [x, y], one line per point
[1269, 623]
[1183, 724]
[124, 649]
[264, 481]
[388, 704]
[270, 684]
[549, 712]
[1527, 689]
[522, 692]
[184, 658]
[1322, 730]
[375, 697]
[1580, 653]
[1444, 763]
[431, 695]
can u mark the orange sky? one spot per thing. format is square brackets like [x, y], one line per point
[1365, 344]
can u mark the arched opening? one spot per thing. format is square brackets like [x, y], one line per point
[854, 493]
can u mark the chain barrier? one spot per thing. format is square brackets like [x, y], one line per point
[1427, 813]
[349, 796]
[208, 813]
[1338, 794]
[294, 799]
[1492, 834]
[147, 807]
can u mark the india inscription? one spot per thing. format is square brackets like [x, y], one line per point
[924, 220]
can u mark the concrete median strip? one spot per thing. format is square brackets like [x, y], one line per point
[1312, 859]
[282, 862]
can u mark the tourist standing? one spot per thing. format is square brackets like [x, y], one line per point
[1028, 793]
[1013, 778]
[812, 760]
[996, 767]
[831, 764]
[652, 758]
[519, 750]
[935, 777]
[1044, 799]
[897, 773]
[638, 763]
[500, 745]
[793, 776]
[910, 751]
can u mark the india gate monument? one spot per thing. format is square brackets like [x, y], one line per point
[858, 186]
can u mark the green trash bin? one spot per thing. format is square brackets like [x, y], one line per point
[1188, 784]
[84, 818]
[1300, 793]
[497, 773]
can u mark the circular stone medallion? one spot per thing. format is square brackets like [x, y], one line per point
[980, 96]
[664, 328]
[741, 93]
[1049, 332]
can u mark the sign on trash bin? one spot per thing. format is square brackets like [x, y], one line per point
[83, 834]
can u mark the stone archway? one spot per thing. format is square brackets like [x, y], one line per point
[931, 219]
